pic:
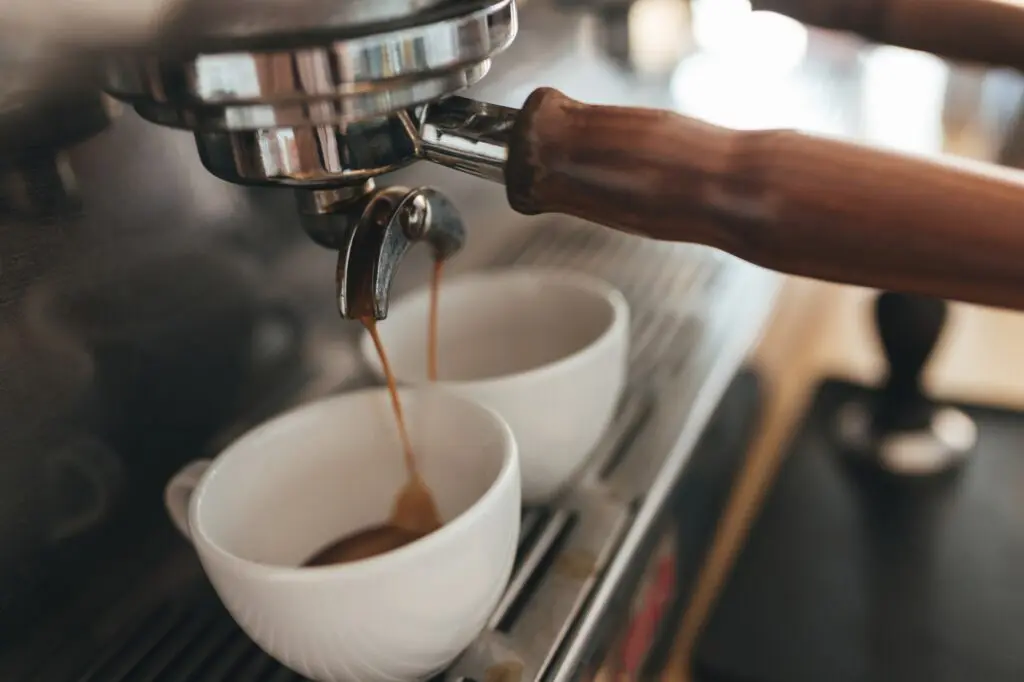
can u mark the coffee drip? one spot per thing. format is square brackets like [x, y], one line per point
[414, 514]
[435, 290]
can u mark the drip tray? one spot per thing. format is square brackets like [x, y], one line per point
[186, 640]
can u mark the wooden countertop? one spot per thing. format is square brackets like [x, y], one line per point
[820, 330]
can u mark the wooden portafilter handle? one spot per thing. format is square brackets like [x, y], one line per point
[784, 200]
[986, 31]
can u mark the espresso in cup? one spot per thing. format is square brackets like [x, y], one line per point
[415, 513]
[278, 496]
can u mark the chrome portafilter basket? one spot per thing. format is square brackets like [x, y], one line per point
[326, 98]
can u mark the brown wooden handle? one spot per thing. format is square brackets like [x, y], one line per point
[784, 200]
[986, 31]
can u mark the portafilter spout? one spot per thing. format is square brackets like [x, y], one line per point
[373, 232]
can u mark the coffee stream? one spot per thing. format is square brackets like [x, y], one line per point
[396, 404]
[415, 513]
[435, 290]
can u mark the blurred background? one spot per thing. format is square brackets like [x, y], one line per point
[150, 312]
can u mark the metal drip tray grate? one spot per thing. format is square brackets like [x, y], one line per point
[192, 640]
[571, 555]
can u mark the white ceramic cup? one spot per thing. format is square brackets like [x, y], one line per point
[325, 470]
[547, 349]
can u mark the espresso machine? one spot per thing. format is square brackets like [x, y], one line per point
[194, 191]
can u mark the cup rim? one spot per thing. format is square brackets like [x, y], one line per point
[508, 473]
[579, 280]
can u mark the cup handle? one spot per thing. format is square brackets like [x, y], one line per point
[178, 494]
